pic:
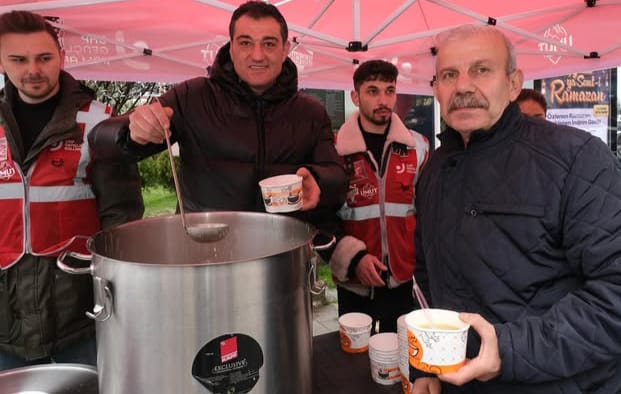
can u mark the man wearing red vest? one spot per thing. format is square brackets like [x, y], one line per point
[374, 262]
[53, 195]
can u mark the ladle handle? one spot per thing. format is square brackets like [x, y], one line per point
[175, 179]
[418, 294]
[317, 286]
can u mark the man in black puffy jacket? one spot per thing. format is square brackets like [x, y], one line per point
[519, 224]
[245, 122]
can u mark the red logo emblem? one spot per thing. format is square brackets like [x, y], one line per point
[6, 170]
[228, 349]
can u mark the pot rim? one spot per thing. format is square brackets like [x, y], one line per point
[213, 216]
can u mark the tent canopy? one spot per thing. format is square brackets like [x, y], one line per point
[173, 40]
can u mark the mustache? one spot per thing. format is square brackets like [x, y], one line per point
[382, 108]
[34, 78]
[467, 101]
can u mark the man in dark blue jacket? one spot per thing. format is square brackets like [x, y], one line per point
[519, 224]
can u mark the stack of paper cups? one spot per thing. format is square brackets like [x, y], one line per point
[384, 357]
[404, 365]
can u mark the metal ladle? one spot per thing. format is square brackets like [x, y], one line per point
[202, 232]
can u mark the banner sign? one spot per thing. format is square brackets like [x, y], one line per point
[580, 100]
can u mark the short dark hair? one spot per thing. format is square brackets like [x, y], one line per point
[373, 70]
[531, 94]
[257, 10]
[24, 22]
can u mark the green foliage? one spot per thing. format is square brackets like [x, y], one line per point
[326, 275]
[159, 201]
[156, 172]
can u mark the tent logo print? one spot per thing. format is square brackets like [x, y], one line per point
[210, 50]
[301, 58]
[556, 33]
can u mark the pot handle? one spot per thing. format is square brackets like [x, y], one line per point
[60, 263]
[103, 300]
[317, 286]
[331, 242]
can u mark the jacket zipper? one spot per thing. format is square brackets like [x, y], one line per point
[480, 209]
[26, 214]
[382, 200]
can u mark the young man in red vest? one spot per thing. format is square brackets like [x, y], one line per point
[374, 262]
[53, 195]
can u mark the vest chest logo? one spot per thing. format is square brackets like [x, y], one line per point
[360, 172]
[368, 191]
[73, 145]
[364, 192]
[402, 168]
[68, 145]
[4, 149]
[6, 170]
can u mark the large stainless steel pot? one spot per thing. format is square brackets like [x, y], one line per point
[179, 316]
[49, 378]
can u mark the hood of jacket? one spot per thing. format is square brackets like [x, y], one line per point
[223, 73]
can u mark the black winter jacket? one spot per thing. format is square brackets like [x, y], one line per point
[42, 309]
[523, 226]
[229, 139]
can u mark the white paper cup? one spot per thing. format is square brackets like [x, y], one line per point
[438, 346]
[384, 358]
[282, 193]
[355, 330]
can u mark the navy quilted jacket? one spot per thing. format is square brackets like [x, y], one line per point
[523, 226]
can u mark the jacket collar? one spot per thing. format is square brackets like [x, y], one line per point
[73, 95]
[69, 87]
[223, 72]
[349, 138]
[452, 140]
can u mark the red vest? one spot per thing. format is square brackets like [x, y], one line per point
[380, 211]
[53, 206]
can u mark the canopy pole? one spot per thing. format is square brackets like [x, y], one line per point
[389, 20]
[320, 14]
[485, 19]
[409, 37]
[218, 4]
[356, 19]
[320, 36]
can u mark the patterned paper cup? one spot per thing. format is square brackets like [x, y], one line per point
[282, 193]
[436, 340]
[355, 330]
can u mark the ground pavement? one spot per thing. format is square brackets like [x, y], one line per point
[325, 313]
